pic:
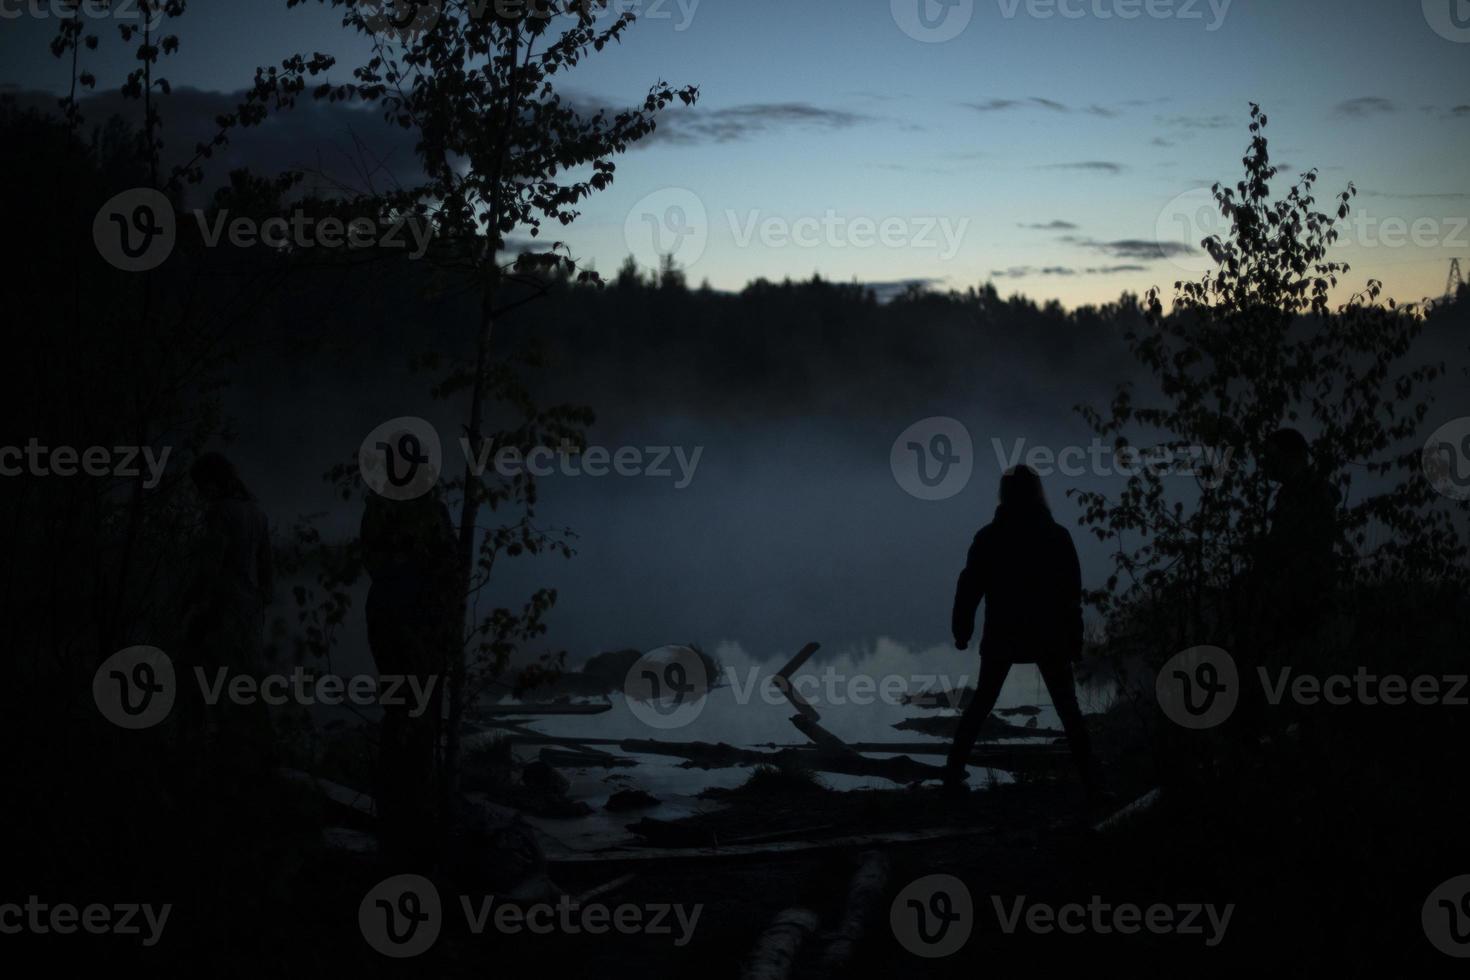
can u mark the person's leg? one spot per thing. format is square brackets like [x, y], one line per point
[993, 671]
[1057, 675]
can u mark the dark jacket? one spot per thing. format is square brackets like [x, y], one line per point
[1295, 572]
[1024, 565]
[231, 585]
[1297, 554]
[408, 549]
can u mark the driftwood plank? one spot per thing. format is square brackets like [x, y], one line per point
[782, 682]
[603, 889]
[549, 708]
[570, 758]
[776, 950]
[746, 852]
[823, 739]
[1134, 809]
[357, 806]
[864, 895]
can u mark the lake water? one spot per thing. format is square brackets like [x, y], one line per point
[858, 693]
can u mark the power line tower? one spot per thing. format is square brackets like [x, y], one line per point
[1455, 282]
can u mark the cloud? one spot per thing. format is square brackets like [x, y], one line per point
[1445, 196]
[1133, 248]
[1036, 102]
[1143, 249]
[1368, 105]
[909, 168]
[1057, 225]
[965, 158]
[1029, 271]
[1097, 166]
[1196, 122]
[1453, 112]
[1000, 105]
[739, 122]
[1160, 141]
[686, 125]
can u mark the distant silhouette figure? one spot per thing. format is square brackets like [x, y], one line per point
[231, 585]
[1024, 565]
[1296, 570]
[234, 577]
[409, 551]
[1289, 588]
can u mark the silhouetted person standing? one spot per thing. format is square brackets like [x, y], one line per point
[231, 586]
[408, 549]
[1290, 586]
[1296, 570]
[1024, 565]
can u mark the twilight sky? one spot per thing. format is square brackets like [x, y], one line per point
[1056, 148]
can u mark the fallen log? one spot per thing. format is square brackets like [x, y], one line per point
[776, 950]
[1134, 809]
[520, 735]
[979, 756]
[350, 841]
[782, 682]
[720, 755]
[545, 708]
[672, 833]
[835, 755]
[603, 889]
[991, 727]
[822, 738]
[779, 834]
[864, 895]
[357, 808]
[796, 662]
[568, 758]
[566, 857]
[702, 755]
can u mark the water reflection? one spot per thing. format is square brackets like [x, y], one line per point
[859, 692]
